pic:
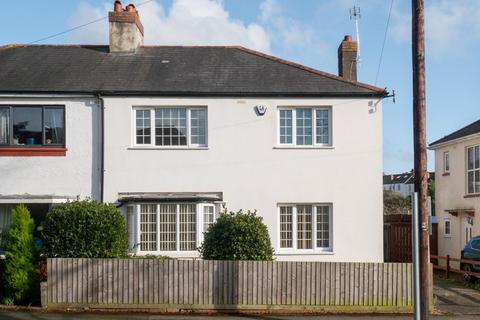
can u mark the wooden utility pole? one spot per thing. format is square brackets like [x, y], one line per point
[420, 149]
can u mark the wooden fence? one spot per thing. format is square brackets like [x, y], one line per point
[398, 238]
[147, 283]
[439, 265]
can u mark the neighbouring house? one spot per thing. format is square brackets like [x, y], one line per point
[402, 183]
[175, 134]
[457, 188]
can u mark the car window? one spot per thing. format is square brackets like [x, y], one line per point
[476, 244]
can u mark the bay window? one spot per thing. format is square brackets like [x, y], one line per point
[171, 127]
[473, 170]
[305, 227]
[32, 125]
[168, 227]
[305, 126]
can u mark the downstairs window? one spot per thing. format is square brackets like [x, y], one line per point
[306, 226]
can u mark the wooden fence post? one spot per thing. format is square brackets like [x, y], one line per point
[447, 269]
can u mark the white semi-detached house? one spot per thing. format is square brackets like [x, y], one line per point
[457, 188]
[173, 134]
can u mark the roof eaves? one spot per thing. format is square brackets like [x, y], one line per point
[378, 90]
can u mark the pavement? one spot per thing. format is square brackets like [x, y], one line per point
[454, 298]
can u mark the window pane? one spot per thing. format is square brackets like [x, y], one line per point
[447, 227]
[131, 227]
[171, 127]
[198, 126]
[322, 126]
[323, 227]
[471, 182]
[54, 126]
[285, 126]
[304, 227]
[4, 125]
[188, 227]
[286, 227]
[27, 126]
[304, 126]
[208, 217]
[142, 119]
[148, 227]
[471, 156]
[167, 217]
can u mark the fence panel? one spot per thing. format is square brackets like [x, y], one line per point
[226, 284]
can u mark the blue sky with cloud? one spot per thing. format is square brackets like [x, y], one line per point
[307, 32]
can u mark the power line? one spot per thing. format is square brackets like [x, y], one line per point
[81, 26]
[384, 40]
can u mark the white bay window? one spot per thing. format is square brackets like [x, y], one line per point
[170, 127]
[168, 227]
[305, 126]
[305, 227]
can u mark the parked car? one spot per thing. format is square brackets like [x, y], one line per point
[471, 252]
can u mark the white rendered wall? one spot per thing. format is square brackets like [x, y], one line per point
[243, 163]
[76, 174]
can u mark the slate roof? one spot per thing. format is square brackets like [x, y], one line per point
[165, 70]
[464, 132]
[406, 178]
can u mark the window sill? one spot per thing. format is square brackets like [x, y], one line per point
[304, 147]
[473, 195]
[32, 152]
[168, 148]
[446, 174]
[304, 252]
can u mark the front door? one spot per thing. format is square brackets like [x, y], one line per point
[466, 230]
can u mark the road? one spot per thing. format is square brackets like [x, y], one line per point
[89, 316]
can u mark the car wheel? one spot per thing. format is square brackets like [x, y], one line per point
[467, 277]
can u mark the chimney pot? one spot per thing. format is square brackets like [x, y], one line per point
[131, 8]
[347, 59]
[117, 7]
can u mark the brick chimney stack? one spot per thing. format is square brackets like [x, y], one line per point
[126, 30]
[347, 59]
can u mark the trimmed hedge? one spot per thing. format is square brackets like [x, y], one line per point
[237, 236]
[21, 277]
[85, 229]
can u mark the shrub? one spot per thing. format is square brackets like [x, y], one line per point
[21, 278]
[237, 236]
[85, 229]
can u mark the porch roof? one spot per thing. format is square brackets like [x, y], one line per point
[124, 197]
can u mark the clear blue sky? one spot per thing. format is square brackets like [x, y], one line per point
[308, 32]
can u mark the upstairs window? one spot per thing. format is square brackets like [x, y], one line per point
[305, 126]
[32, 126]
[171, 127]
[473, 170]
[446, 162]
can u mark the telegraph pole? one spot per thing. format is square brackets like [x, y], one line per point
[420, 149]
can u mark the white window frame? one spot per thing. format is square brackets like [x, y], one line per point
[152, 144]
[314, 249]
[314, 127]
[445, 234]
[199, 207]
[446, 162]
[470, 170]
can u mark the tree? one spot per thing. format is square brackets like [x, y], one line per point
[395, 203]
[85, 229]
[21, 277]
[237, 236]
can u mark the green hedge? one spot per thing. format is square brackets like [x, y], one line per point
[85, 229]
[237, 236]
